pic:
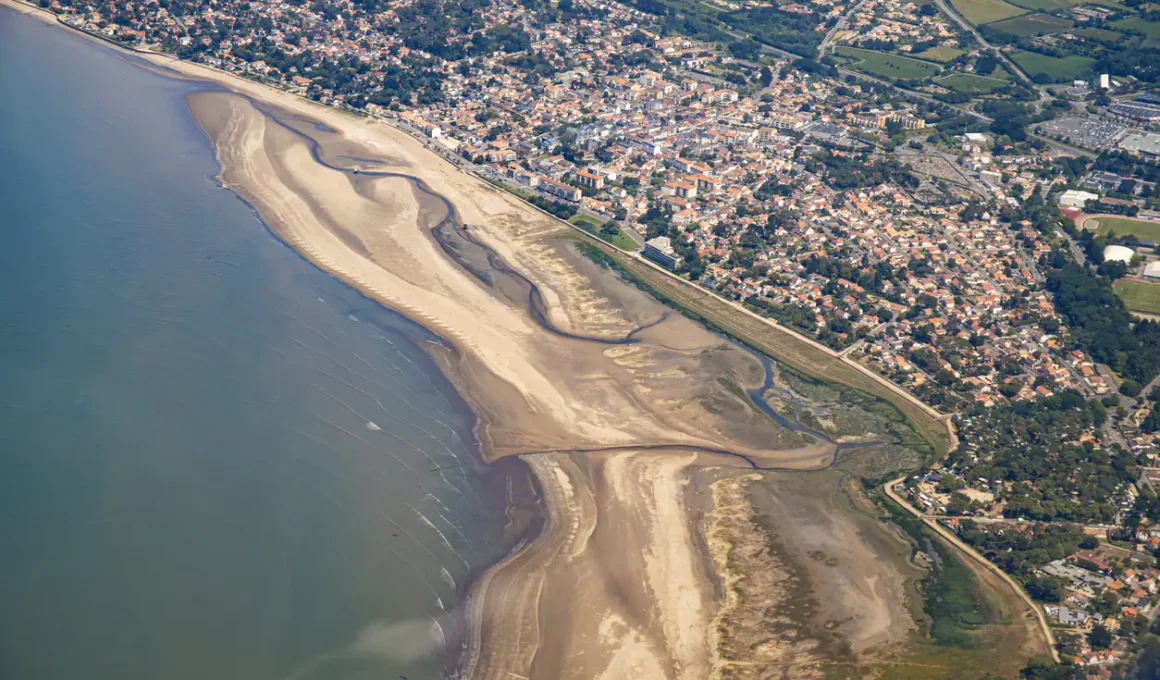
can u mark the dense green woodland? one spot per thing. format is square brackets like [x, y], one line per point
[789, 31]
[1031, 445]
[1101, 325]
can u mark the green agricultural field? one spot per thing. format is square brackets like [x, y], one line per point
[1057, 69]
[1140, 25]
[1033, 24]
[941, 54]
[888, 65]
[1139, 296]
[1049, 5]
[985, 11]
[999, 73]
[1100, 34]
[970, 83]
[1124, 226]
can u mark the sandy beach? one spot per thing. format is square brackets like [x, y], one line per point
[655, 560]
[617, 584]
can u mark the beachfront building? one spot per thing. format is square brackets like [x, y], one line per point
[660, 250]
[588, 179]
[559, 189]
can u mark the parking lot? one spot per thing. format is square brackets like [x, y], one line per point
[1096, 134]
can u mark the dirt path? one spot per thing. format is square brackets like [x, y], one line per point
[978, 559]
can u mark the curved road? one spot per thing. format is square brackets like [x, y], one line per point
[949, 537]
[966, 26]
[838, 25]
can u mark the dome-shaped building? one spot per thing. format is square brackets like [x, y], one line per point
[1118, 254]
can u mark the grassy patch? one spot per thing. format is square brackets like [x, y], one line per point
[1139, 296]
[913, 423]
[1033, 24]
[1100, 34]
[1057, 69]
[883, 411]
[585, 222]
[941, 53]
[997, 73]
[1049, 5]
[625, 242]
[1123, 226]
[985, 11]
[888, 65]
[1140, 25]
[972, 631]
[971, 83]
[590, 225]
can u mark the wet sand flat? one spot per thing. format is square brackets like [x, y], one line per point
[619, 582]
[622, 410]
[620, 566]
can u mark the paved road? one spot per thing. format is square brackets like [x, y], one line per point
[954, 16]
[766, 49]
[1061, 147]
[839, 25]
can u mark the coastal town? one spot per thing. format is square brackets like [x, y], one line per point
[943, 249]
[755, 178]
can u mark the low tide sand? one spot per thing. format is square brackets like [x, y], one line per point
[631, 576]
[616, 585]
[619, 583]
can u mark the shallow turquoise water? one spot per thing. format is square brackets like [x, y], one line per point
[215, 460]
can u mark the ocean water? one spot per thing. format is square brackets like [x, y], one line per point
[216, 461]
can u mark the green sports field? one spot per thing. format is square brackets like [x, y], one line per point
[985, 11]
[1139, 296]
[1123, 226]
[887, 65]
[1057, 69]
